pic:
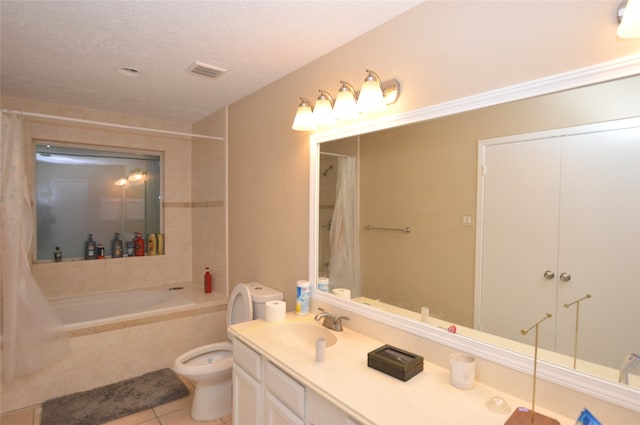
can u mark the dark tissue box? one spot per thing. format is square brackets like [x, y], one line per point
[393, 361]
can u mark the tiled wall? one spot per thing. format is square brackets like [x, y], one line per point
[208, 170]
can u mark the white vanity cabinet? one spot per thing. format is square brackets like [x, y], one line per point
[264, 394]
[322, 411]
[248, 399]
[284, 398]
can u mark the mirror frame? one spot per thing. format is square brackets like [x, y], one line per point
[608, 391]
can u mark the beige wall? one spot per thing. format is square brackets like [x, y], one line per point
[425, 176]
[438, 51]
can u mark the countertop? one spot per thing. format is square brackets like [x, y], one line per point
[372, 397]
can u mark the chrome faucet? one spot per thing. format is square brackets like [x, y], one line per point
[333, 323]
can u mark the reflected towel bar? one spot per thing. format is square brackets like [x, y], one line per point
[405, 229]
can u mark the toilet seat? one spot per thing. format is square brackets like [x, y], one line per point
[240, 307]
[183, 367]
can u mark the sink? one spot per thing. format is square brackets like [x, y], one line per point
[299, 335]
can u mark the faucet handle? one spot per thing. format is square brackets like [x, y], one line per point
[319, 315]
[337, 323]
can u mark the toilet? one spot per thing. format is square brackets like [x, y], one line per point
[209, 366]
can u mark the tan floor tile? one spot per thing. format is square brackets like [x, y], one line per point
[227, 420]
[151, 422]
[172, 406]
[20, 417]
[183, 417]
[134, 419]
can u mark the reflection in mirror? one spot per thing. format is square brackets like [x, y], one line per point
[82, 191]
[425, 176]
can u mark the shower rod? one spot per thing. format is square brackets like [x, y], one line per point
[109, 124]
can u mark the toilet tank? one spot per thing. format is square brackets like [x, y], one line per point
[260, 294]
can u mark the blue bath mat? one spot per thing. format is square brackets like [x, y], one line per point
[114, 401]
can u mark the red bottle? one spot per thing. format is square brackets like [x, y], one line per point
[138, 245]
[208, 281]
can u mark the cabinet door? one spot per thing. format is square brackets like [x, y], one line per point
[600, 245]
[278, 414]
[519, 238]
[322, 412]
[247, 399]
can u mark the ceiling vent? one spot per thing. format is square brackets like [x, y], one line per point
[205, 70]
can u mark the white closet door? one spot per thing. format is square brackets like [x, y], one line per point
[520, 237]
[599, 245]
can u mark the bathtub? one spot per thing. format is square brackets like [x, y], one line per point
[86, 310]
[118, 335]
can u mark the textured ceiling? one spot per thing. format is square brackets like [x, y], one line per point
[67, 51]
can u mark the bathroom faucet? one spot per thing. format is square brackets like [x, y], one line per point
[333, 323]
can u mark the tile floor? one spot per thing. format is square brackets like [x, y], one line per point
[173, 413]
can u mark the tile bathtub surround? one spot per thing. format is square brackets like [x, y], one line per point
[102, 358]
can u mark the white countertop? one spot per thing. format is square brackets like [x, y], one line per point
[372, 397]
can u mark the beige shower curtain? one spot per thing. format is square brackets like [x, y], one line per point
[33, 337]
[344, 262]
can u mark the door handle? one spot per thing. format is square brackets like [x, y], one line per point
[565, 277]
[549, 275]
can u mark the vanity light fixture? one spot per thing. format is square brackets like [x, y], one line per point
[371, 98]
[374, 96]
[304, 117]
[629, 19]
[121, 182]
[346, 107]
[323, 109]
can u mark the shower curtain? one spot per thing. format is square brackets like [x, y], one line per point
[344, 261]
[33, 337]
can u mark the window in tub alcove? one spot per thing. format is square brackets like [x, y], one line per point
[90, 191]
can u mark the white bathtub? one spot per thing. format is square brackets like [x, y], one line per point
[107, 307]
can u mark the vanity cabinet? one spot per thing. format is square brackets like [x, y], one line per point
[322, 412]
[248, 399]
[559, 218]
[264, 394]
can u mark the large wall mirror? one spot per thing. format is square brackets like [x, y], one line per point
[396, 221]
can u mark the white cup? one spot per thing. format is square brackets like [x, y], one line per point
[463, 371]
[321, 343]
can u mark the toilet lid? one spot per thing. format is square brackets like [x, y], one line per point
[240, 308]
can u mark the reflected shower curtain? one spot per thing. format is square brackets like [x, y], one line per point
[33, 337]
[344, 261]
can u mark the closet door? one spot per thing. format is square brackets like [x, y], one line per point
[519, 238]
[599, 245]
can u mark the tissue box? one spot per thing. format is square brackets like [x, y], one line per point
[393, 361]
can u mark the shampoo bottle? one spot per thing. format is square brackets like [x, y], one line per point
[138, 245]
[152, 246]
[116, 246]
[208, 281]
[90, 248]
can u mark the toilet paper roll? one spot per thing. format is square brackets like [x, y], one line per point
[275, 311]
[342, 293]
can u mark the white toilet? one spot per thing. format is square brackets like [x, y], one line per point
[209, 366]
